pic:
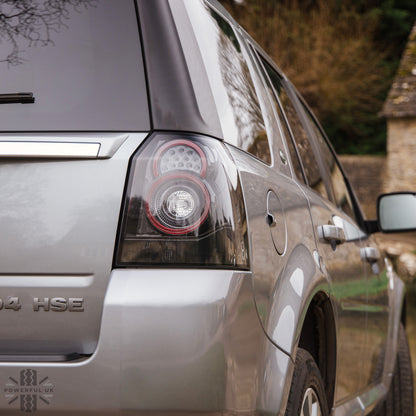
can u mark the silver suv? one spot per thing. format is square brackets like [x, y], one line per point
[179, 237]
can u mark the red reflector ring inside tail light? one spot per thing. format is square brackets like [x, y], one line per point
[190, 194]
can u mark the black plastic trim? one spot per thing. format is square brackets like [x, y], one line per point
[371, 226]
[139, 26]
[173, 103]
[41, 358]
[17, 98]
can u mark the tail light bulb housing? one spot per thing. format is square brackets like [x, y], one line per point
[177, 204]
[180, 155]
[183, 206]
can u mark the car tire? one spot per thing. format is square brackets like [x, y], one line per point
[307, 393]
[399, 399]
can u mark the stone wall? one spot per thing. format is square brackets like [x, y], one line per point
[401, 150]
[367, 176]
[373, 175]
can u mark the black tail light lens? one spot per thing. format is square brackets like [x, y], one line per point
[184, 206]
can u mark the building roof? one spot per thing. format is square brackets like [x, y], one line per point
[401, 100]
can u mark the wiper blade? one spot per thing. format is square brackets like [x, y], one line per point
[18, 98]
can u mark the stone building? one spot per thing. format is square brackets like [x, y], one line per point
[400, 112]
[373, 175]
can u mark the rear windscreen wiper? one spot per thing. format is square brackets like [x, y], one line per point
[20, 97]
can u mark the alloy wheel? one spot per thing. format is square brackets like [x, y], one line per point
[310, 404]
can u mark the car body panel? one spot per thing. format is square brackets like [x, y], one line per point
[379, 310]
[289, 276]
[343, 266]
[156, 325]
[59, 218]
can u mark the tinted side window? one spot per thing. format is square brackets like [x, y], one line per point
[82, 62]
[309, 162]
[275, 80]
[230, 80]
[342, 196]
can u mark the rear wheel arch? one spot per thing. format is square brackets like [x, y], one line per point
[318, 337]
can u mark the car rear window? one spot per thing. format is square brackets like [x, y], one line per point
[80, 59]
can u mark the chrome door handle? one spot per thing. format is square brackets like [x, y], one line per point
[370, 254]
[331, 234]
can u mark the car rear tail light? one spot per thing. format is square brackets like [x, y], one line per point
[177, 204]
[180, 155]
[183, 206]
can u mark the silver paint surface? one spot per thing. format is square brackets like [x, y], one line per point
[58, 221]
[171, 340]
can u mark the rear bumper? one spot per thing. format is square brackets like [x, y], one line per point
[186, 341]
